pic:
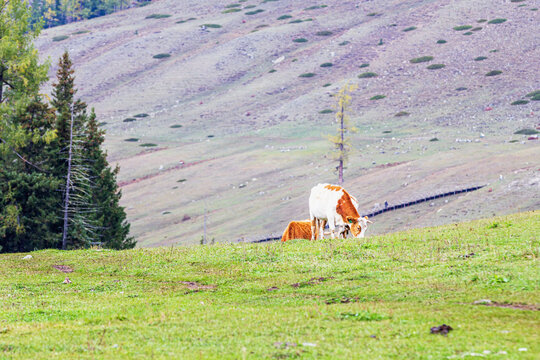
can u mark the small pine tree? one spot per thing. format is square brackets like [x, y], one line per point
[341, 141]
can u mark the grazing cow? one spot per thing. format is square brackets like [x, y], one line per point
[344, 231]
[297, 230]
[333, 204]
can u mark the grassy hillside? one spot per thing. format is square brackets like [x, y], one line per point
[374, 298]
[233, 127]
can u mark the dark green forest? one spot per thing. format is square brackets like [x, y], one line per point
[59, 12]
[57, 189]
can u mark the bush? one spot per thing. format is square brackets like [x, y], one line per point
[261, 26]
[213, 26]
[493, 51]
[344, 43]
[387, 131]
[377, 97]
[161, 56]
[183, 21]
[297, 21]
[175, 126]
[141, 115]
[476, 28]
[232, 6]
[421, 59]
[482, 21]
[233, 10]
[327, 64]
[148, 145]
[306, 75]
[402, 113]
[323, 33]
[60, 38]
[494, 73]
[265, 1]
[462, 27]
[533, 94]
[468, 33]
[410, 28]
[461, 88]
[516, 1]
[526, 132]
[367, 75]
[327, 85]
[131, 139]
[129, 119]
[372, 14]
[480, 58]
[249, 6]
[284, 17]
[254, 12]
[520, 102]
[434, 139]
[435, 66]
[441, 41]
[158, 16]
[300, 40]
[326, 111]
[364, 65]
[314, 7]
[272, 71]
[81, 32]
[496, 21]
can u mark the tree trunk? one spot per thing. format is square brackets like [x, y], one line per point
[66, 203]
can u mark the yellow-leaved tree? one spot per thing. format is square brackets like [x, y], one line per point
[341, 141]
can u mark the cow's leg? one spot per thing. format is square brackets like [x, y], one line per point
[321, 227]
[314, 221]
[332, 225]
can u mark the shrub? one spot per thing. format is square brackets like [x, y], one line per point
[513, 141]
[526, 132]
[535, 95]
[141, 115]
[520, 102]
[131, 139]
[327, 64]
[461, 88]
[129, 119]
[402, 113]
[181, 180]
[372, 14]
[81, 32]
[494, 73]
[235, 5]
[476, 28]
[327, 85]
[60, 38]
[326, 111]
[314, 7]
[161, 56]
[441, 41]
[367, 75]
[480, 58]
[387, 131]
[306, 75]
[272, 71]
[175, 126]
[493, 51]
[323, 33]
[435, 66]
[434, 139]
[516, 1]
[496, 21]
[482, 21]
[233, 10]
[254, 12]
[344, 43]
[410, 28]
[462, 27]
[364, 65]
[261, 26]
[265, 1]
[284, 17]
[213, 26]
[210, 136]
[249, 6]
[310, 19]
[148, 145]
[158, 16]
[377, 97]
[297, 21]
[421, 59]
[468, 33]
[300, 40]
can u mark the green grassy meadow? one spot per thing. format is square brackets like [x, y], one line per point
[374, 298]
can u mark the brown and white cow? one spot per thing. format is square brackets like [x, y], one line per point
[297, 230]
[335, 205]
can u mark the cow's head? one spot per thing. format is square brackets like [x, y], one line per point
[358, 226]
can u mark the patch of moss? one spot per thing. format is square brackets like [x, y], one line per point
[461, 88]
[254, 12]
[436, 66]
[213, 26]
[148, 145]
[367, 75]
[300, 40]
[468, 33]
[234, 5]
[410, 28]
[421, 59]
[535, 95]
[272, 71]
[81, 32]
[297, 21]
[175, 126]
[161, 56]
[372, 14]
[233, 10]
[344, 43]
[377, 97]
[478, 28]
[494, 73]
[401, 113]
[387, 131]
[364, 65]
[158, 16]
[261, 26]
[434, 139]
[482, 21]
[323, 33]
[284, 17]
[526, 132]
[327, 64]
[327, 85]
[131, 139]
[306, 75]
[441, 41]
[480, 58]
[141, 115]
[326, 111]
[250, 6]
[520, 102]
[129, 119]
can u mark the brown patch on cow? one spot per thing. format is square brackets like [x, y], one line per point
[346, 209]
[333, 187]
[63, 268]
[192, 285]
[510, 306]
[298, 230]
[312, 281]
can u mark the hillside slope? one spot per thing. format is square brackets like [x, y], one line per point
[373, 298]
[232, 127]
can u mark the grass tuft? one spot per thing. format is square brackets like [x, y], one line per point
[436, 66]
[534, 94]
[344, 43]
[300, 40]
[306, 75]
[461, 88]
[526, 132]
[233, 10]
[421, 59]
[284, 17]
[296, 21]
[496, 21]
[326, 111]
[158, 16]
[434, 139]
[410, 28]
[161, 56]
[254, 12]
[468, 33]
[494, 73]
[175, 126]
[402, 113]
[364, 65]
[213, 26]
[141, 115]
[131, 139]
[441, 41]
[462, 27]
[324, 33]
[148, 145]
[520, 102]
[60, 38]
[81, 32]
[327, 85]
[327, 64]
[377, 97]
[480, 58]
[130, 119]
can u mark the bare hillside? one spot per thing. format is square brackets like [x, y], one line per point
[228, 126]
